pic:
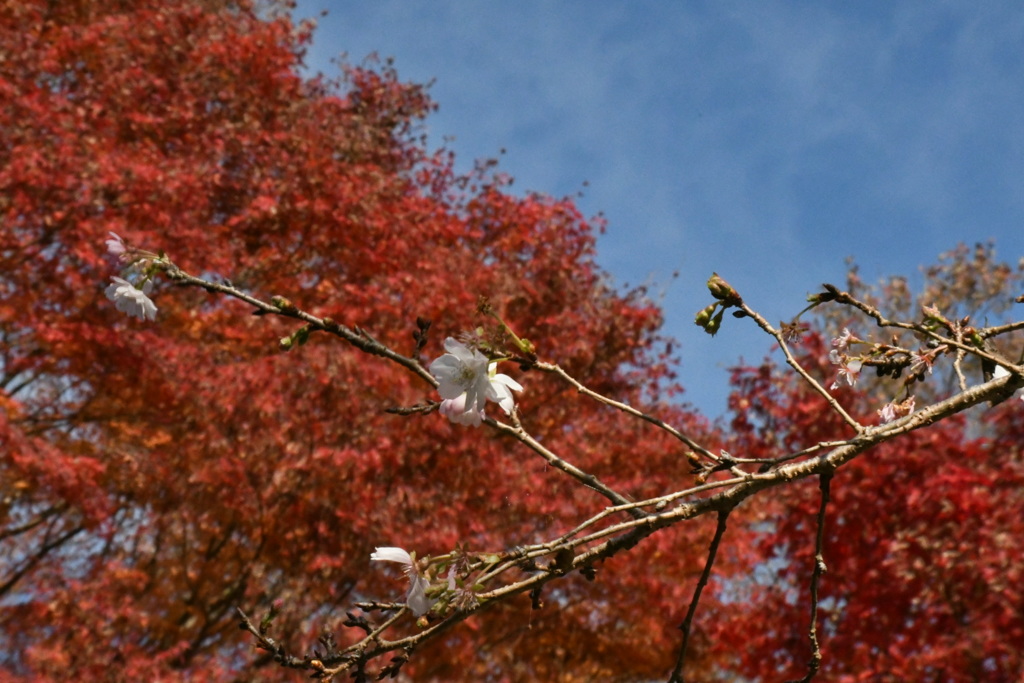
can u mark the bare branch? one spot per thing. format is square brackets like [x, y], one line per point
[820, 568]
[792, 362]
[589, 480]
[591, 540]
[677, 673]
[628, 409]
[357, 337]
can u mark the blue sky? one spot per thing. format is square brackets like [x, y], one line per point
[764, 140]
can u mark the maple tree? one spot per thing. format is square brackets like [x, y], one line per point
[923, 562]
[158, 475]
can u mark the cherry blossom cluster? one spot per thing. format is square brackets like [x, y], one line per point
[427, 591]
[130, 297]
[467, 379]
[917, 364]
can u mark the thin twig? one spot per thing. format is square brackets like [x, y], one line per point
[587, 479]
[824, 482]
[882, 321]
[677, 673]
[793, 363]
[356, 337]
[990, 332]
[628, 409]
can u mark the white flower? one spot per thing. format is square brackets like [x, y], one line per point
[416, 599]
[116, 245]
[462, 370]
[131, 300]
[467, 380]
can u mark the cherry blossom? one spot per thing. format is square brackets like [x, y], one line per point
[116, 245]
[467, 379]
[500, 388]
[455, 409]
[893, 410]
[920, 363]
[842, 342]
[849, 370]
[131, 300]
[416, 599]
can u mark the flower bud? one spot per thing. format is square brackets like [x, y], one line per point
[714, 324]
[283, 304]
[704, 315]
[723, 291]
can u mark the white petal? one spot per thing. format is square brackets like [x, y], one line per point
[128, 299]
[500, 394]
[391, 554]
[507, 381]
[417, 599]
[445, 367]
[506, 403]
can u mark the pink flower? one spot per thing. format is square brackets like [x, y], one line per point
[893, 410]
[849, 370]
[842, 342]
[920, 363]
[456, 410]
[116, 245]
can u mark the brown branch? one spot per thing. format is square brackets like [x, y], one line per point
[793, 363]
[824, 482]
[32, 524]
[627, 534]
[45, 549]
[357, 337]
[587, 479]
[628, 409]
[677, 673]
[572, 553]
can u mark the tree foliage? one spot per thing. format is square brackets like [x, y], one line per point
[923, 569]
[155, 477]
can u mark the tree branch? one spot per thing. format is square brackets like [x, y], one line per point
[820, 568]
[677, 673]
